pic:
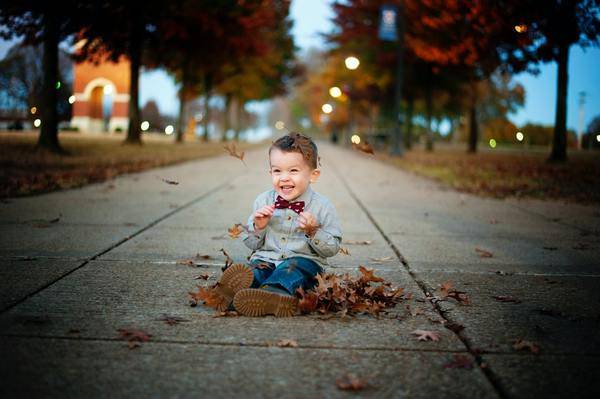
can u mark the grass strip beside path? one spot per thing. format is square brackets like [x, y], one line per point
[26, 171]
[502, 174]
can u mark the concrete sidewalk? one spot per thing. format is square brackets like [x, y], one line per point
[109, 263]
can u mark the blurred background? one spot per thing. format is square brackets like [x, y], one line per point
[400, 77]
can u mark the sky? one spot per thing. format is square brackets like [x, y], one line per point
[312, 17]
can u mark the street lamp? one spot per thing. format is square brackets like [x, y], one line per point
[520, 136]
[327, 108]
[352, 63]
[335, 92]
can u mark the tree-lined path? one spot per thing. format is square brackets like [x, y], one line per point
[79, 265]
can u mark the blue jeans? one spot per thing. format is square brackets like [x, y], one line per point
[290, 275]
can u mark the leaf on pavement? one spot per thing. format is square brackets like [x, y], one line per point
[133, 337]
[207, 295]
[446, 290]
[172, 320]
[425, 335]
[287, 343]
[171, 182]
[506, 298]
[483, 253]
[203, 276]
[235, 230]
[350, 382]
[459, 361]
[202, 257]
[523, 345]
[187, 262]
[228, 260]
[232, 150]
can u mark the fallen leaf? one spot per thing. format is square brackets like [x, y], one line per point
[483, 253]
[446, 291]
[364, 147]
[384, 259]
[368, 275]
[203, 257]
[228, 260]
[203, 276]
[236, 230]
[344, 251]
[171, 182]
[172, 320]
[187, 262]
[522, 345]
[425, 335]
[358, 242]
[287, 343]
[506, 298]
[133, 337]
[459, 361]
[349, 382]
[230, 148]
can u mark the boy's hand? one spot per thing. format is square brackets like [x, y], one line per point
[308, 223]
[262, 216]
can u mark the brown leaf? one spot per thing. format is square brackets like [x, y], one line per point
[459, 362]
[364, 147]
[308, 301]
[230, 148]
[207, 295]
[483, 253]
[287, 343]
[134, 337]
[425, 335]
[494, 221]
[203, 257]
[350, 382]
[344, 251]
[228, 260]
[171, 182]
[446, 291]
[522, 345]
[236, 230]
[172, 320]
[310, 230]
[506, 298]
[187, 262]
[203, 276]
[368, 275]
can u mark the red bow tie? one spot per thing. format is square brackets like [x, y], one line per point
[282, 203]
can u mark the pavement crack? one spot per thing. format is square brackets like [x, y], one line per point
[484, 367]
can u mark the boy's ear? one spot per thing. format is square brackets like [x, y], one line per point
[314, 175]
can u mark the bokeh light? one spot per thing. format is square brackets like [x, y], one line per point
[71, 99]
[279, 125]
[355, 139]
[108, 90]
[492, 143]
[33, 110]
[521, 28]
[169, 129]
[327, 108]
[352, 63]
[145, 125]
[520, 136]
[37, 122]
[598, 138]
[335, 92]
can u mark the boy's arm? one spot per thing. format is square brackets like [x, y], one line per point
[328, 237]
[254, 239]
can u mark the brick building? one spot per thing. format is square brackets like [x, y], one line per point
[101, 96]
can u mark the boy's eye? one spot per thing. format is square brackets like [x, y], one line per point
[294, 170]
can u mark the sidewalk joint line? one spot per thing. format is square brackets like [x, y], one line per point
[118, 243]
[491, 377]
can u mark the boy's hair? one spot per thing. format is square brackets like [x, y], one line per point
[296, 142]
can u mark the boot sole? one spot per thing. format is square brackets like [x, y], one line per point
[234, 279]
[254, 302]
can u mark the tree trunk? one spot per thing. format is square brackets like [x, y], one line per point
[410, 107]
[429, 110]
[559, 142]
[238, 125]
[226, 121]
[48, 138]
[473, 128]
[135, 56]
[207, 91]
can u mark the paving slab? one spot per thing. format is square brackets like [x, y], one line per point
[77, 368]
[20, 278]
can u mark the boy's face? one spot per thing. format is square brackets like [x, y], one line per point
[291, 174]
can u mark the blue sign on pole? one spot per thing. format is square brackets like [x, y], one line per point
[387, 23]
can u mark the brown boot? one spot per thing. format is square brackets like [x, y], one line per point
[235, 278]
[260, 302]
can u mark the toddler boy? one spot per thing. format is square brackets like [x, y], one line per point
[291, 231]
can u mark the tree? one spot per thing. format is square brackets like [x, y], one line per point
[43, 23]
[554, 26]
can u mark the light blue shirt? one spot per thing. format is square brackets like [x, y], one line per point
[282, 237]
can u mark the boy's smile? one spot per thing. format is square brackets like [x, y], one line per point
[290, 173]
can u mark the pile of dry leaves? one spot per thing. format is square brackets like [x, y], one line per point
[342, 294]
